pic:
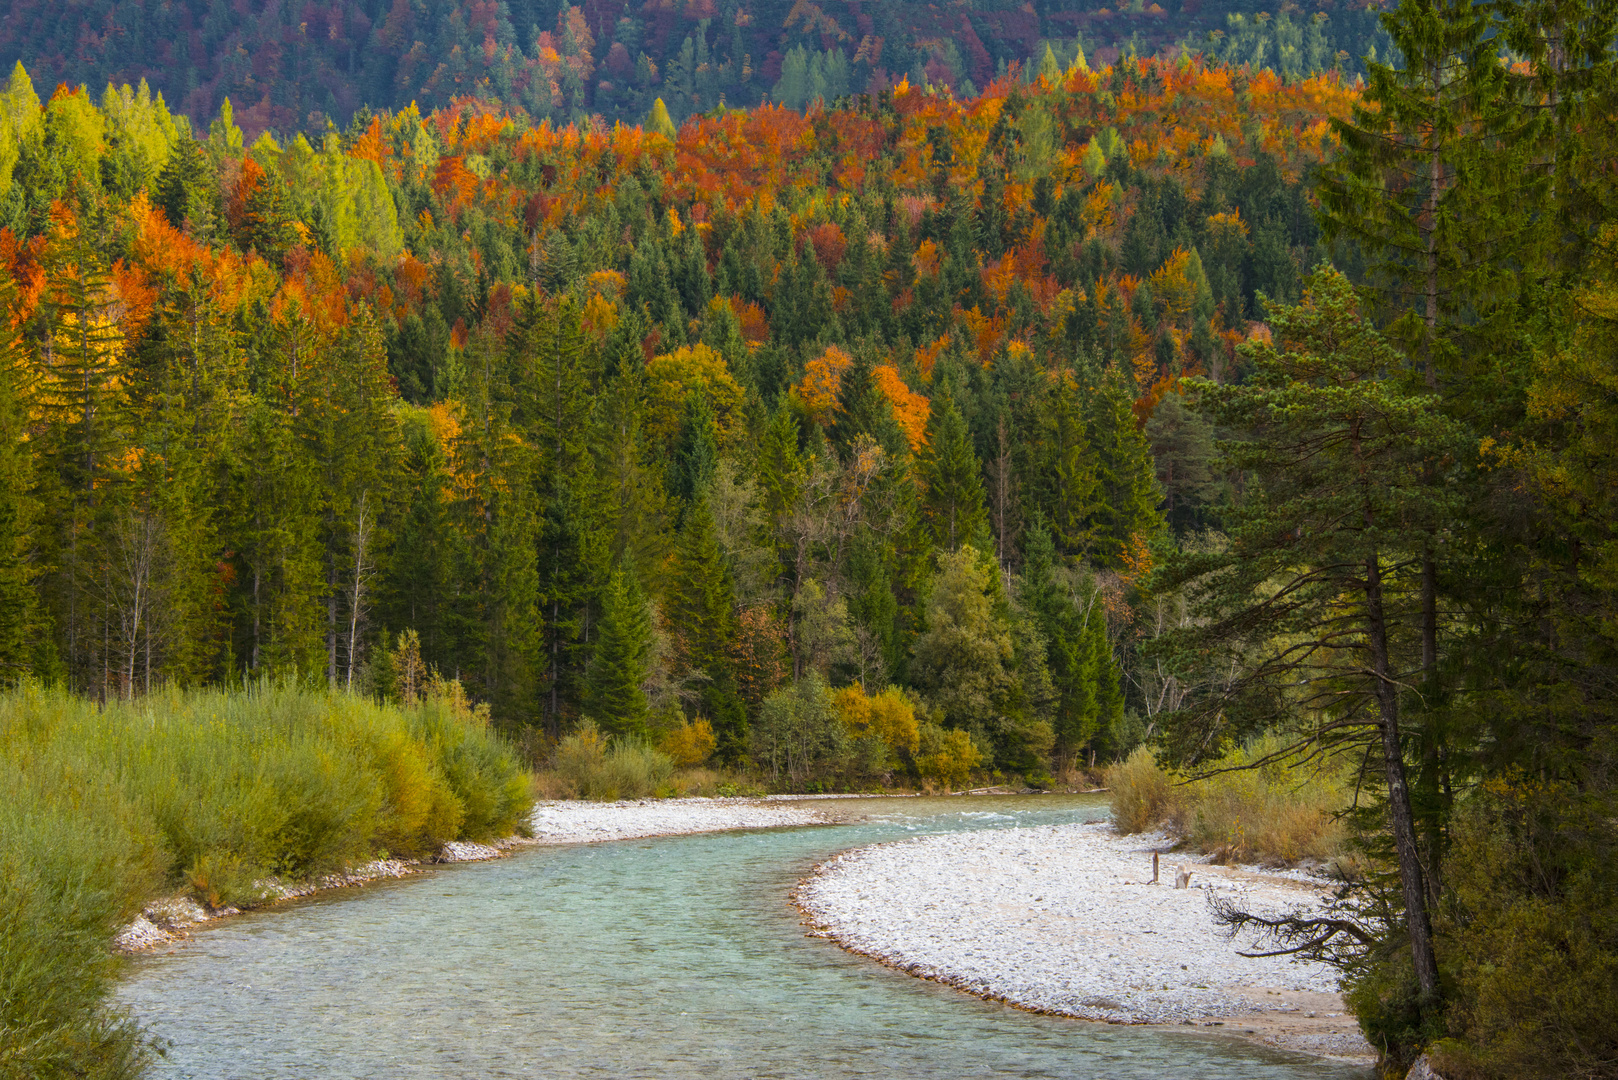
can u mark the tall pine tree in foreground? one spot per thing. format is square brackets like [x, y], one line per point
[1304, 621]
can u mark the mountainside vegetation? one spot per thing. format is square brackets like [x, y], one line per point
[636, 429]
[291, 68]
[1161, 411]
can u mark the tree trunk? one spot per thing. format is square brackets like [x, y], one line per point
[1411, 879]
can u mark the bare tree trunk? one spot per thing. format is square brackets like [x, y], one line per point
[1411, 880]
[362, 571]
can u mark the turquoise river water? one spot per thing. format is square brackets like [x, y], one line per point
[675, 957]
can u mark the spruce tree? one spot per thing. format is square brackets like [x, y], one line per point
[1125, 512]
[556, 371]
[951, 479]
[622, 657]
[1064, 486]
[700, 609]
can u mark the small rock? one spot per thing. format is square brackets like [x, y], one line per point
[1422, 1070]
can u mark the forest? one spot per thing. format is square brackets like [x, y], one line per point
[910, 437]
[635, 428]
[301, 66]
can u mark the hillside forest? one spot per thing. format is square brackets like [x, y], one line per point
[917, 436]
[301, 66]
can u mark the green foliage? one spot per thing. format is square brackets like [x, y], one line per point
[798, 735]
[1531, 939]
[962, 661]
[100, 809]
[604, 768]
[622, 661]
[79, 862]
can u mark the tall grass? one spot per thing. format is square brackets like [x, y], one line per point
[206, 791]
[1280, 812]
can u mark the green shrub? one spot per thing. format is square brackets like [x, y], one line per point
[211, 791]
[593, 766]
[76, 863]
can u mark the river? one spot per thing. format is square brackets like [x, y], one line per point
[672, 957]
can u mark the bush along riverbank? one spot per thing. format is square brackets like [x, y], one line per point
[223, 797]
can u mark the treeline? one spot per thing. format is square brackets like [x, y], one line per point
[291, 69]
[633, 428]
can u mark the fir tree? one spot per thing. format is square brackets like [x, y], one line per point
[951, 479]
[622, 657]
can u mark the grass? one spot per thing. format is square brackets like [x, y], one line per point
[101, 810]
[1279, 813]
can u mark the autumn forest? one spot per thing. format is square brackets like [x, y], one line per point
[956, 430]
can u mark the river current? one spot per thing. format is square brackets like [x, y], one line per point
[673, 957]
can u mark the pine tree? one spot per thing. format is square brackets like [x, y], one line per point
[1310, 610]
[951, 479]
[622, 657]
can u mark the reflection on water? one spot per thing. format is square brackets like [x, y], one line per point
[676, 957]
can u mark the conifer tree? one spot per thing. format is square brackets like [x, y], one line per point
[694, 462]
[1064, 626]
[699, 608]
[1125, 509]
[622, 657]
[1311, 609]
[19, 509]
[951, 479]
[557, 372]
[1064, 485]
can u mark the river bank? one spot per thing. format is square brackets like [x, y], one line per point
[1063, 920]
[171, 919]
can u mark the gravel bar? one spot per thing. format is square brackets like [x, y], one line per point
[587, 822]
[1062, 920]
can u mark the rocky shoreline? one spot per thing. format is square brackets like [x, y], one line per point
[1064, 920]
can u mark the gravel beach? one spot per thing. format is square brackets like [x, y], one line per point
[585, 822]
[1060, 919]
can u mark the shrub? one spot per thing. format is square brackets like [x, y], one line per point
[77, 861]
[1282, 811]
[1140, 792]
[597, 767]
[690, 744]
[946, 758]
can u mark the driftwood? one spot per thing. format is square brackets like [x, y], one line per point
[1182, 880]
[1154, 869]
